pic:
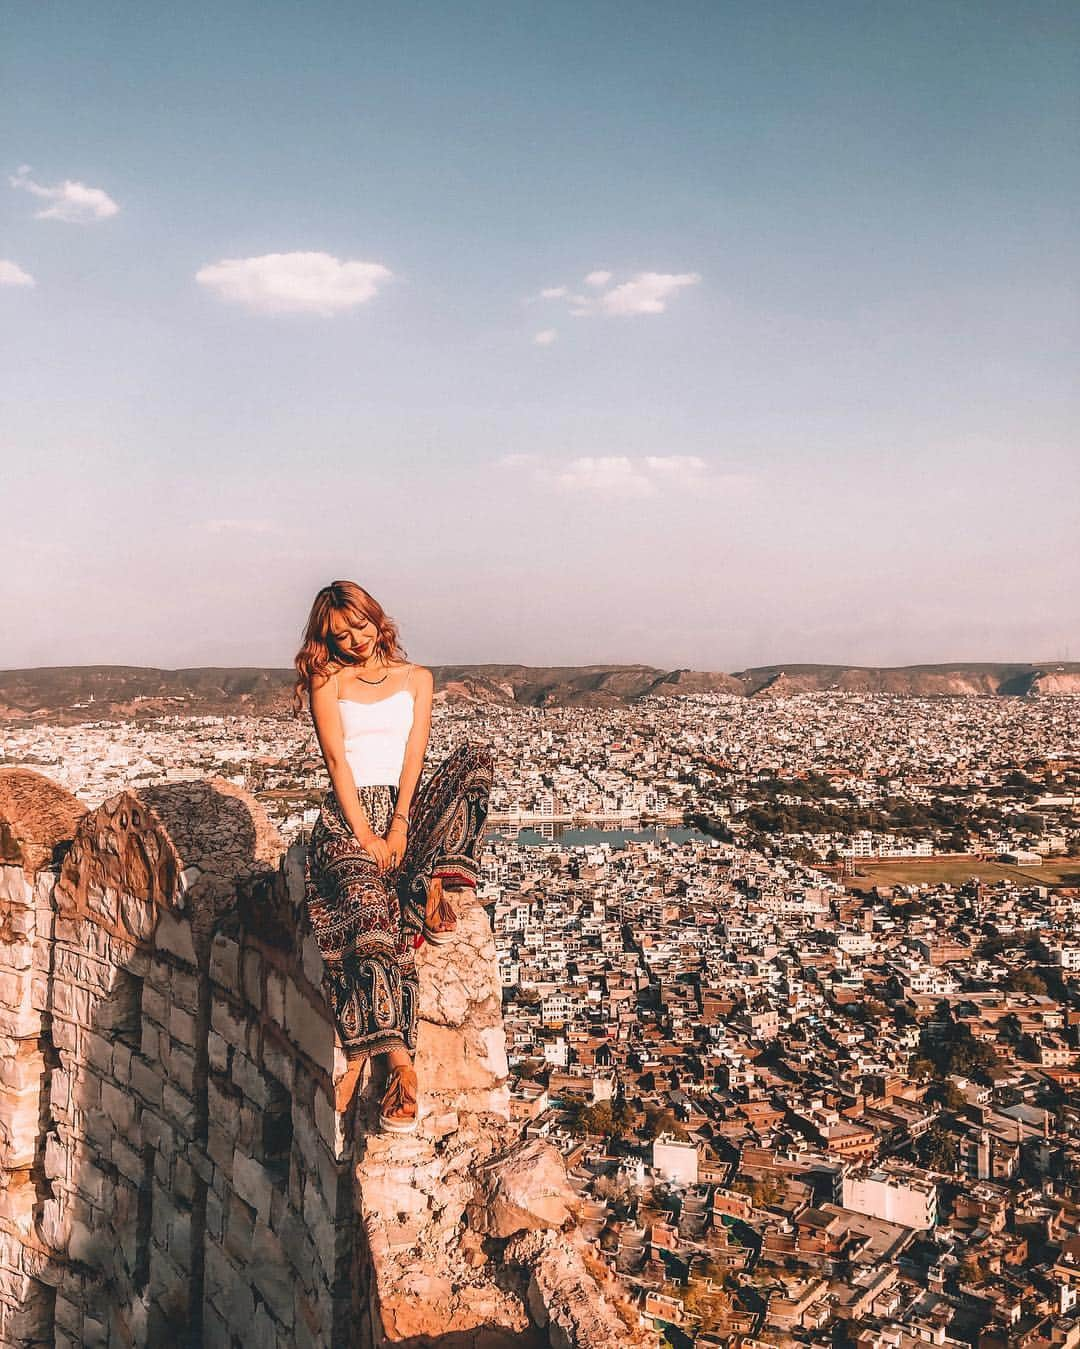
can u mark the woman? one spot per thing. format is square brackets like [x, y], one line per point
[381, 847]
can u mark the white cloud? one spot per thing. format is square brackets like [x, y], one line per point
[612, 475]
[546, 336]
[70, 201]
[280, 283]
[625, 476]
[11, 274]
[647, 293]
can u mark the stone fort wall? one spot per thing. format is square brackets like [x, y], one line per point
[172, 1168]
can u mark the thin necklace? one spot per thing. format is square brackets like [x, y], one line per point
[372, 681]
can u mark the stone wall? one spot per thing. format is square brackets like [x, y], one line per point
[172, 1165]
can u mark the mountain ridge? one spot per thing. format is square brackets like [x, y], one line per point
[63, 692]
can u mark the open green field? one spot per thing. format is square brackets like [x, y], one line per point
[955, 870]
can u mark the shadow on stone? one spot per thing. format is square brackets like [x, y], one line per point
[175, 1169]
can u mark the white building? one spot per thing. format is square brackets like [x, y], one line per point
[908, 1199]
[675, 1160]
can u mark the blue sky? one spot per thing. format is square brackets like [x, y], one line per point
[803, 387]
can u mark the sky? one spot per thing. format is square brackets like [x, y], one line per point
[701, 335]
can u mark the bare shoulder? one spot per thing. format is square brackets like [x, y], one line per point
[326, 680]
[420, 677]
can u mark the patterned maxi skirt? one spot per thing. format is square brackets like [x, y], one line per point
[367, 925]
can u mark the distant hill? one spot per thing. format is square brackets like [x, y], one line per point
[133, 692]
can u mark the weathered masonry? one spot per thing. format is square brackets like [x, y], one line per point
[173, 1168]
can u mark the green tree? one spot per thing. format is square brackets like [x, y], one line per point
[659, 1120]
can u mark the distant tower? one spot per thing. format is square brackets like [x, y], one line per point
[983, 1162]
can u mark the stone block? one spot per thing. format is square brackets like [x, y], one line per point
[228, 1022]
[218, 1048]
[91, 1183]
[225, 963]
[184, 986]
[119, 1106]
[251, 978]
[179, 1243]
[297, 1245]
[151, 1037]
[182, 1026]
[279, 1061]
[219, 1146]
[245, 1075]
[331, 1126]
[181, 1065]
[155, 1004]
[179, 1108]
[94, 1248]
[183, 1180]
[273, 1276]
[215, 1216]
[146, 1080]
[121, 1069]
[450, 1061]
[174, 935]
[98, 1052]
[56, 1157]
[310, 1028]
[157, 1131]
[275, 994]
[239, 1229]
[94, 1333]
[313, 964]
[127, 1160]
[252, 1184]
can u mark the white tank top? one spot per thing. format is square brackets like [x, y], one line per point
[375, 737]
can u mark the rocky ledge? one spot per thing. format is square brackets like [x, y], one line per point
[172, 1169]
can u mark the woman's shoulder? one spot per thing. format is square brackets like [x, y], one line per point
[326, 674]
[418, 674]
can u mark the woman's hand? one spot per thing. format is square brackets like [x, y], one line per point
[378, 848]
[396, 837]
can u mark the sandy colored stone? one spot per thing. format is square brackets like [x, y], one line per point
[35, 815]
[566, 1299]
[521, 1189]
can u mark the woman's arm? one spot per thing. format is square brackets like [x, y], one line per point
[327, 719]
[416, 745]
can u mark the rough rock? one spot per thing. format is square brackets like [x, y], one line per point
[564, 1297]
[521, 1189]
[172, 1165]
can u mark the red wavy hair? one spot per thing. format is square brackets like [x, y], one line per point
[320, 651]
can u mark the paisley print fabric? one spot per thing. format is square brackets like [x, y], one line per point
[368, 925]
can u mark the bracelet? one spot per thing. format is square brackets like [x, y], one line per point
[397, 815]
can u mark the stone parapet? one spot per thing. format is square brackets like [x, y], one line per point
[172, 1168]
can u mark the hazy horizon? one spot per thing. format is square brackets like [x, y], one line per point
[699, 336]
[582, 665]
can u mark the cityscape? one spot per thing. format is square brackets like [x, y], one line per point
[692, 388]
[791, 982]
